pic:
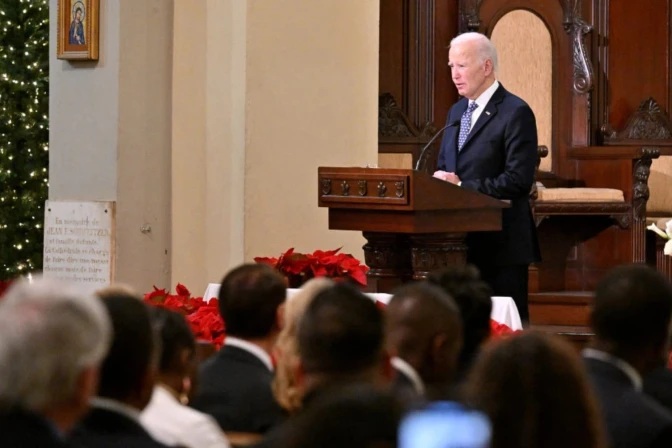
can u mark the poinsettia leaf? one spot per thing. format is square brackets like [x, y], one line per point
[359, 276]
[157, 295]
[328, 253]
[182, 290]
[267, 260]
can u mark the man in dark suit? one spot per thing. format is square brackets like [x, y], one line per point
[127, 379]
[491, 147]
[474, 300]
[630, 316]
[424, 337]
[235, 384]
[341, 343]
[53, 338]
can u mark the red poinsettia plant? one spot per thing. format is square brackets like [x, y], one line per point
[4, 286]
[203, 317]
[299, 268]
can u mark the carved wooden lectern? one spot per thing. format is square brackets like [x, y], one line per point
[413, 223]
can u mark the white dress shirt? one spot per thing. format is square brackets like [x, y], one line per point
[482, 101]
[251, 348]
[410, 373]
[172, 423]
[621, 365]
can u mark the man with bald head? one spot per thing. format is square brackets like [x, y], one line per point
[424, 337]
[490, 146]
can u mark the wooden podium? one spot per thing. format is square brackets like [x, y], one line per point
[413, 223]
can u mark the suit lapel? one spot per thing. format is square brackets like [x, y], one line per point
[488, 113]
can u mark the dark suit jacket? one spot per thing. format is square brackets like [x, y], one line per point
[235, 388]
[102, 428]
[658, 385]
[632, 419]
[21, 429]
[499, 158]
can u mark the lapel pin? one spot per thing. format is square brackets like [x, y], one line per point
[487, 113]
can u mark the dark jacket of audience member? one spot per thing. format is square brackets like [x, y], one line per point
[474, 300]
[630, 316]
[127, 379]
[53, 338]
[235, 384]
[658, 385]
[536, 393]
[357, 416]
[424, 336]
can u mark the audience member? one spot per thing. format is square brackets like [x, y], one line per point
[536, 393]
[167, 418]
[474, 300]
[286, 351]
[424, 338]
[127, 378]
[53, 338]
[359, 416]
[235, 384]
[341, 341]
[630, 316]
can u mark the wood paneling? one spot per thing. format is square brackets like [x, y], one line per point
[414, 38]
[639, 50]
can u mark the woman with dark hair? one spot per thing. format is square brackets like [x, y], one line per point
[167, 417]
[535, 391]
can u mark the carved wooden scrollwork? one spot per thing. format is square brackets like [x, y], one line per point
[326, 186]
[345, 188]
[470, 15]
[393, 122]
[640, 188]
[361, 187]
[649, 122]
[583, 69]
[623, 220]
[387, 254]
[382, 189]
[399, 189]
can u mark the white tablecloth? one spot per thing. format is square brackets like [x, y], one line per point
[504, 309]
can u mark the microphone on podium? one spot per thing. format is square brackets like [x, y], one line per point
[422, 153]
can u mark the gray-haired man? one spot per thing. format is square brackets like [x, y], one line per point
[53, 338]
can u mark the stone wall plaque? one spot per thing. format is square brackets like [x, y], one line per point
[79, 242]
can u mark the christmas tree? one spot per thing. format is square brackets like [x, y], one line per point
[24, 133]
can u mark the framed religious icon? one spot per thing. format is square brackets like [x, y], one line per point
[78, 29]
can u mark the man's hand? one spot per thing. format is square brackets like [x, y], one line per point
[448, 177]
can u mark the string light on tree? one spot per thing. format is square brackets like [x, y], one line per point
[24, 127]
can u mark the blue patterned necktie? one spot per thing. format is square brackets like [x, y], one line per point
[465, 125]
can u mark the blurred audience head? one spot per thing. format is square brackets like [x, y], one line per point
[341, 340]
[251, 299]
[423, 328]
[356, 416]
[631, 313]
[53, 337]
[473, 298]
[286, 349]
[130, 369]
[536, 393]
[177, 359]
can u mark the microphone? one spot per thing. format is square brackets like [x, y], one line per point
[422, 153]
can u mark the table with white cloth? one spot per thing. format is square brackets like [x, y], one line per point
[504, 309]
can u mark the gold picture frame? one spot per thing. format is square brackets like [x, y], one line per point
[78, 29]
